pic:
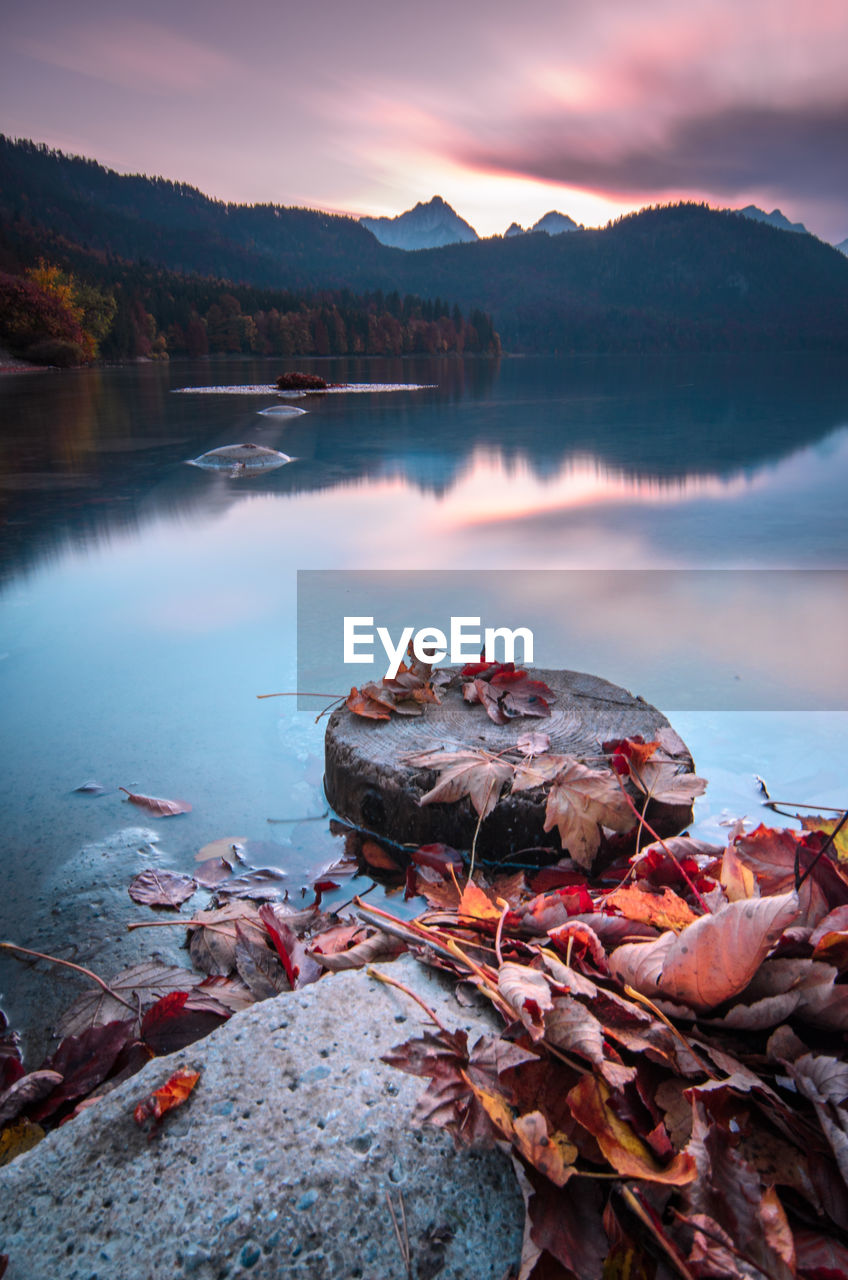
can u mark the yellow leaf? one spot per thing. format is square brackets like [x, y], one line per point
[17, 1138]
[815, 822]
[551, 1153]
[624, 1149]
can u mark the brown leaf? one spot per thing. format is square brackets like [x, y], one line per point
[141, 985]
[664, 782]
[259, 968]
[29, 1089]
[771, 856]
[262, 884]
[212, 942]
[581, 801]
[162, 808]
[465, 773]
[371, 702]
[533, 743]
[589, 1101]
[374, 945]
[551, 1153]
[543, 769]
[154, 888]
[713, 959]
[212, 872]
[528, 992]
[229, 848]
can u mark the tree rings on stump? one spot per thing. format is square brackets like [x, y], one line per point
[368, 784]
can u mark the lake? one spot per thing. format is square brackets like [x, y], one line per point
[677, 525]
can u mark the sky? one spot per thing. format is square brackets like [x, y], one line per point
[506, 110]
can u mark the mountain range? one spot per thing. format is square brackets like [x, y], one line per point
[435, 224]
[677, 277]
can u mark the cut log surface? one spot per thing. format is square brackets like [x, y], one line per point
[369, 785]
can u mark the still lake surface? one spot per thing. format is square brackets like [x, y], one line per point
[684, 520]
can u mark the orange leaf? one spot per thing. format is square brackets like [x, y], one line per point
[173, 1093]
[551, 1153]
[666, 910]
[367, 702]
[476, 904]
[625, 1150]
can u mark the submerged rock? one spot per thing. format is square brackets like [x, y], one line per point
[240, 458]
[282, 411]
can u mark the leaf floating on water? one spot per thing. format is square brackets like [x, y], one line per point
[154, 888]
[173, 1093]
[212, 872]
[262, 884]
[90, 788]
[162, 808]
[230, 848]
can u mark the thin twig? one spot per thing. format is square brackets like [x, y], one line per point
[662, 842]
[68, 964]
[504, 905]
[403, 1241]
[393, 982]
[299, 693]
[636, 1207]
[477, 829]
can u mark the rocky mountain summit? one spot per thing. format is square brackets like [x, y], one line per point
[427, 226]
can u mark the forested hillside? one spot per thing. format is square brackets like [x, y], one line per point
[682, 277]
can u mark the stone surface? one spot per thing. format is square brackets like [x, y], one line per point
[278, 1165]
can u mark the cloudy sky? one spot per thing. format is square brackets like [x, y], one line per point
[505, 109]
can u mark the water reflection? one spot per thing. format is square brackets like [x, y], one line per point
[86, 453]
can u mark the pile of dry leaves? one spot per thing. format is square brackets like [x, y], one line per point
[670, 1078]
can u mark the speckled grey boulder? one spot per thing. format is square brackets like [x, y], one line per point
[278, 1165]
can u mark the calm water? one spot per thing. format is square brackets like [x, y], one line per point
[145, 603]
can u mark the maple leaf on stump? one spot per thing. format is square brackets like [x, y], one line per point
[581, 801]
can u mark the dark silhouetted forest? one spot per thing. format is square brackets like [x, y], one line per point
[673, 278]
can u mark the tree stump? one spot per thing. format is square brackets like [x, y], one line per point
[368, 784]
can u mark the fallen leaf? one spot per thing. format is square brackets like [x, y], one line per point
[21, 1136]
[262, 884]
[713, 959]
[212, 872]
[212, 938]
[83, 1062]
[465, 773]
[543, 769]
[259, 968]
[29, 1089]
[90, 788]
[173, 1093]
[300, 968]
[376, 945]
[172, 1023]
[476, 904]
[815, 822]
[667, 782]
[162, 808]
[139, 986]
[11, 1067]
[771, 855]
[154, 888]
[820, 1255]
[230, 993]
[589, 1102]
[665, 910]
[582, 800]
[438, 856]
[229, 848]
[737, 880]
[528, 992]
[371, 702]
[533, 743]
[551, 1153]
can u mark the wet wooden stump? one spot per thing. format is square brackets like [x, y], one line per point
[368, 784]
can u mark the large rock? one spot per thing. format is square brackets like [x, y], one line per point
[278, 1165]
